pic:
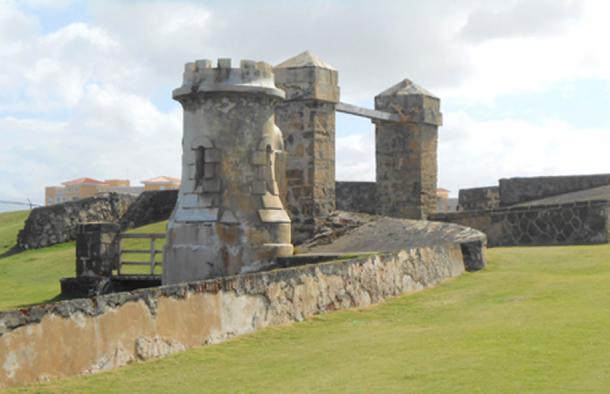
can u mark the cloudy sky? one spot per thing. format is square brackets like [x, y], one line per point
[85, 86]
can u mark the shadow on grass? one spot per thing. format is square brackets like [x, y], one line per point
[15, 249]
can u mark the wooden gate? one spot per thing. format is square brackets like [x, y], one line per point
[151, 251]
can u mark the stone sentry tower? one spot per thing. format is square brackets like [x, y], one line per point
[406, 151]
[229, 217]
[307, 119]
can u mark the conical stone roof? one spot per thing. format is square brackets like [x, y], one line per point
[305, 59]
[404, 88]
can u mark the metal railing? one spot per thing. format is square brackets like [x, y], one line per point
[151, 251]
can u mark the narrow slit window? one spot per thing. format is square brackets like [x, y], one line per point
[199, 166]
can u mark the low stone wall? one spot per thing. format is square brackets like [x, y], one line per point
[479, 198]
[150, 207]
[561, 224]
[518, 190]
[96, 334]
[58, 223]
[356, 196]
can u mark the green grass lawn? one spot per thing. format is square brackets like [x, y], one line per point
[32, 276]
[536, 320]
[10, 224]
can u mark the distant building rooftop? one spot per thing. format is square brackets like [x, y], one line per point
[83, 181]
[116, 180]
[161, 180]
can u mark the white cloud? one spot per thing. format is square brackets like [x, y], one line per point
[372, 46]
[49, 4]
[520, 18]
[355, 157]
[16, 28]
[110, 134]
[533, 62]
[102, 74]
[476, 153]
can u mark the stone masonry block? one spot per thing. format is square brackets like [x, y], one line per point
[192, 171]
[272, 201]
[197, 215]
[209, 170]
[259, 158]
[212, 156]
[259, 187]
[210, 185]
[273, 216]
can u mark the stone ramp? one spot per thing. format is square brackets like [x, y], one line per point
[379, 233]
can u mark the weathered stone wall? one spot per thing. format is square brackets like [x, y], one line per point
[563, 224]
[309, 139]
[150, 207]
[58, 223]
[356, 196]
[479, 198]
[90, 335]
[518, 190]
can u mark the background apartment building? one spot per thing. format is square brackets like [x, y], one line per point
[77, 189]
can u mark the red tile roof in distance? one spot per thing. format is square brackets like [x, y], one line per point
[83, 181]
[161, 179]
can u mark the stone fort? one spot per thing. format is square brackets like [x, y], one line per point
[258, 178]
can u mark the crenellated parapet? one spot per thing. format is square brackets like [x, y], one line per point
[200, 77]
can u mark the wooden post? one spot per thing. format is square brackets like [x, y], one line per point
[152, 255]
[118, 270]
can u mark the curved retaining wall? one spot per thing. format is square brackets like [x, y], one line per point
[96, 334]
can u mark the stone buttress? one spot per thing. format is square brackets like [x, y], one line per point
[229, 217]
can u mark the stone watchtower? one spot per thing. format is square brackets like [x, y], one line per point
[307, 119]
[406, 152]
[229, 217]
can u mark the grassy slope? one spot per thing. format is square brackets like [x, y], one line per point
[536, 320]
[10, 224]
[33, 276]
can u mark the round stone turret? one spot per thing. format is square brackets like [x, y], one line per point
[229, 217]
